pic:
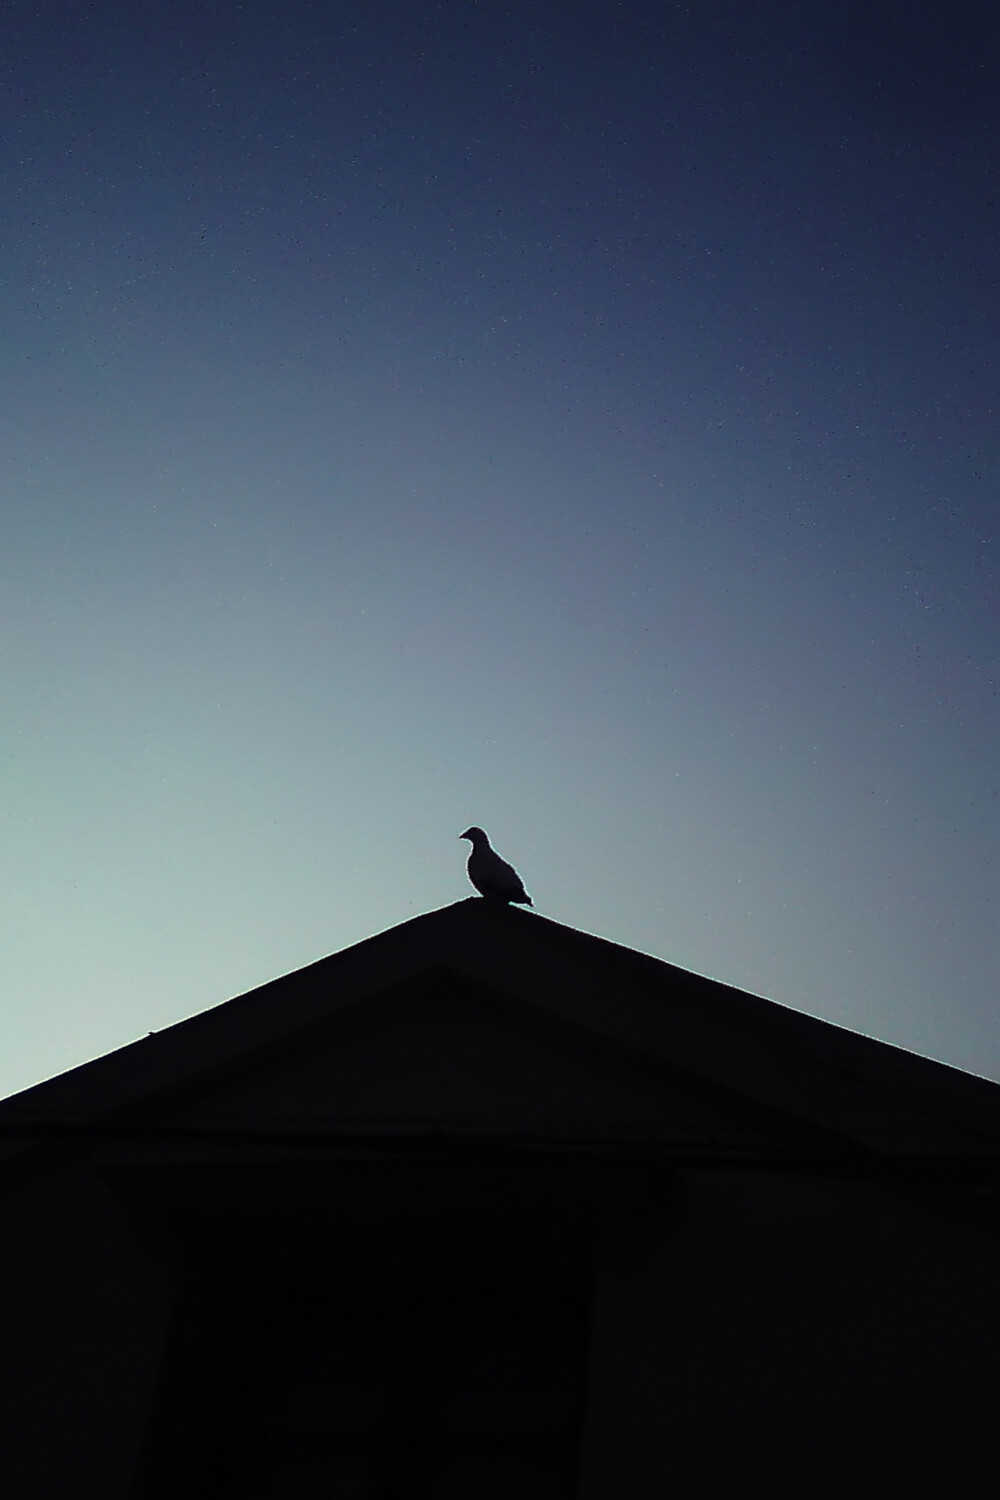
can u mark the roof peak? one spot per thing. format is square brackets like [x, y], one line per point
[617, 995]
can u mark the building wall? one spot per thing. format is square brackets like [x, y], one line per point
[760, 1334]
[84, 1317]
[790, 1336]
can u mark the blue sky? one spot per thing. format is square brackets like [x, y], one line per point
[583, 424]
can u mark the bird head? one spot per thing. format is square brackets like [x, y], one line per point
[475, 834]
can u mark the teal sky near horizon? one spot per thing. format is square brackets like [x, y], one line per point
[583, 424]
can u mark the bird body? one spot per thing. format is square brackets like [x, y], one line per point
[492, 876]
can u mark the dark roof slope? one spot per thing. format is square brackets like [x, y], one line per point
[873, 1094]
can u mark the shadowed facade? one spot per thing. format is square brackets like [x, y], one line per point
[486, 1206]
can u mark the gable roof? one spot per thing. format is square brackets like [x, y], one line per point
[678, 1029]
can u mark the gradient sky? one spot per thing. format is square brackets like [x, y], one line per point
[577, 419]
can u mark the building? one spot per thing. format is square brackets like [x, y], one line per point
[486, 1207]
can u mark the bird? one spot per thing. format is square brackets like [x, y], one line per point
[492, 876]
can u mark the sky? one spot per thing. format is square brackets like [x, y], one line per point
[575, 419]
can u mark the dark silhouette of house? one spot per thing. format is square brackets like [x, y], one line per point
[486, 1207]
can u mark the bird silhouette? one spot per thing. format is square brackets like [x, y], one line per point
[492, 876]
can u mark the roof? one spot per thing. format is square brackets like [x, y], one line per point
[559, 993]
